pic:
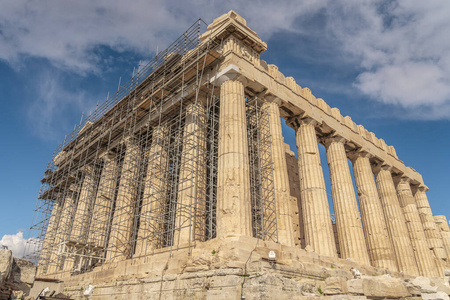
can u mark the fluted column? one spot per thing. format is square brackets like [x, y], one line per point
[348, 220]
[191, 203]
[316, 211]
[377, 239]
[83, 213]
[104, 201]
[154, 199]
[429, 226]
[233, 178]
[424, 256]
[444, 230]
[280, 176]
[63, 262]
[119, 244]
[395, 221]
[50, 236]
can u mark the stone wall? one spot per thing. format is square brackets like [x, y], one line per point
[238, 267]
[16, 276]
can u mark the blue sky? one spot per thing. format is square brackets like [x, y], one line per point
[384, 63]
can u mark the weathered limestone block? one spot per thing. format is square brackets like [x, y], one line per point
[350, 124]
[347, 297]
[104, 201]
[429, 225]
[376, 234]
[307, 94]
[290, 82]
[233, 178]
[435, 296]
[348, 220]
[355, 286]
[396, 222]
[382, 144]
[6, 262]
[315, 209]
[280, 176]
[335, 285]
[423, 285]
[392, 151]
[337, 114]
[423, 255]
[273, 71]
[441, 222]
[122, 224]
[385, 287]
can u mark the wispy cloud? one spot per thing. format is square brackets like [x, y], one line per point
[400, 48]
[403, 50]
[54, 105]
[67, 32]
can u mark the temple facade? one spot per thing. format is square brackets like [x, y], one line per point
[190, 154]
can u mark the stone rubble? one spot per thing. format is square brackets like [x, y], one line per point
[16, 276]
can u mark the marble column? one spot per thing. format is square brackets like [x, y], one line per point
[348, 220]
[444, 230]
[119, 244]
[314, 202]
[83, 213]
[233, 178]
[98, 233]
[395, 220]
[63, 262]
[191, 202]
[280, 176]
[429, 225]
[48, 245]
[424, 256]
[377, 239]
[154, 199]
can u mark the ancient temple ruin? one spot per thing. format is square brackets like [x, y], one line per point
[185, 166]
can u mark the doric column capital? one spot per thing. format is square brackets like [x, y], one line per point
[335, 138]
[420, 187]
[231, 72]
[107, 156]
[87, 169]
[273, 99]
[130, 140]
[401, 178]
[360, 152]
[296, 121]
[381, 166]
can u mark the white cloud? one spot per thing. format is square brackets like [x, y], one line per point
[403, 51]
[67, 32]
[53, 107]
[400, 47]
[17, 244]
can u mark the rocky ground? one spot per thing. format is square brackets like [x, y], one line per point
[16, 276]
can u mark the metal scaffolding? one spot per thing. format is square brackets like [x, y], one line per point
[140, 173]
[264, 217]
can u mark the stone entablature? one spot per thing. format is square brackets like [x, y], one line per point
[267, 79]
